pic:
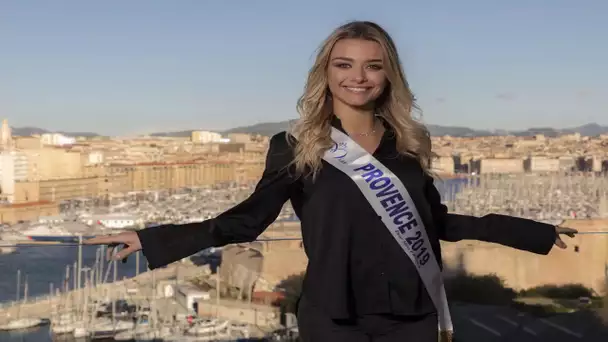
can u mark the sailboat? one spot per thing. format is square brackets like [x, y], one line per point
[103, 327]
[150, 330]
[21, 323]
[66, 321]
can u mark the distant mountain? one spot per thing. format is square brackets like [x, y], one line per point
[592, 129]
[264, 128]
[27, 131]
[271, 128]
[178, 134]
[456, 131]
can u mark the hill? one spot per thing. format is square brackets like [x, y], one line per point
[27, 131]
[592, 129]
[271, 128]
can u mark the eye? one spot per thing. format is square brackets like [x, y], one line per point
[375, 66]
[342, 65]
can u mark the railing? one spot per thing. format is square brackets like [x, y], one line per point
[493, 324]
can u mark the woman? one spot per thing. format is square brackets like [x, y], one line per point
[357, 170]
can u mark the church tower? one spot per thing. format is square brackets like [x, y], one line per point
[6, 138]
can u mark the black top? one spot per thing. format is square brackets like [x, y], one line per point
[355, 265]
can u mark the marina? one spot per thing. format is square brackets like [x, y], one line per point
[63, 289]
[144, 307]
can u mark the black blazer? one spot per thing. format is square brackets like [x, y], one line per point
[355, 266]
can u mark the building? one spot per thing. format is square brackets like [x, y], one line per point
[52, 163]
[27, 143]
[60, 189]
[105, 181]
[239, 138]
[501, 165]
[567, 163]
[444, 165]
[596, 164]
[13, 213]
[7, 176]
[542, 164]
[189, 296]
[170, 176]
[94, 158]
[56, 139]
[13, 168]
[205, 137]
[6, 137]
[27, 192]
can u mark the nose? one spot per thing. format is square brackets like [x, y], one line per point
[359, 75]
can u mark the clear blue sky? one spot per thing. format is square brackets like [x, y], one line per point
[127, 67]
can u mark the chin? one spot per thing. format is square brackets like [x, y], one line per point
[356, 100]
[359, 103]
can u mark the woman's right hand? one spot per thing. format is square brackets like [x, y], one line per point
[129, 241]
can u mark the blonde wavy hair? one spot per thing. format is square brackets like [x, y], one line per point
[313, 129]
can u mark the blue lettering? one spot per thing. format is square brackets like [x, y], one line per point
[367, 167]
[397, 208]
[398, 219]
[409, 225]
[384, 182]
[386, 191]
[372, 174]
[392, 199]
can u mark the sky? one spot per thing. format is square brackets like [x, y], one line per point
[132, 67]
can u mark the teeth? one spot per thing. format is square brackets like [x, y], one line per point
[356, 90]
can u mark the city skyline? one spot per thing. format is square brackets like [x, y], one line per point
[271, 128]
[127, 68]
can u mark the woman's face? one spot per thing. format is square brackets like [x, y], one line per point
[356, 75]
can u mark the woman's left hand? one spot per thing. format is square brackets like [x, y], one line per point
[563, 230]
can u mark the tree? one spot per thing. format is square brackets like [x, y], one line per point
[292, 288]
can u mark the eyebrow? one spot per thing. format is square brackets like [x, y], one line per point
[352, 60]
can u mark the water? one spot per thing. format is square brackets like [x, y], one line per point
[448, 188]
[43, 265]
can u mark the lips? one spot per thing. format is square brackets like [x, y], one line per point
[357, 90]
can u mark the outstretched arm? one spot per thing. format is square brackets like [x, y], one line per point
[243, 223]
[519, 233]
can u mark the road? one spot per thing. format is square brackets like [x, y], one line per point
[502, 324]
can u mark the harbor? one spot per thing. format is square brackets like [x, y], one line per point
[64, 290]
[150, 305]
[69, 290]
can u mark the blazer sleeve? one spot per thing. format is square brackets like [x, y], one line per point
[244, 222]
[519, 233]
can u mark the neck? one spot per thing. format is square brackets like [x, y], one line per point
[355, 120]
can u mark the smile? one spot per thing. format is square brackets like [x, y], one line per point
[357, 90]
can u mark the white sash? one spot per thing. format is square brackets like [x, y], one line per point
[390, 199]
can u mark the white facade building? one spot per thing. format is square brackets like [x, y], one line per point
[7, 177]
[205, 137]
[56, 139]
[95, 157]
